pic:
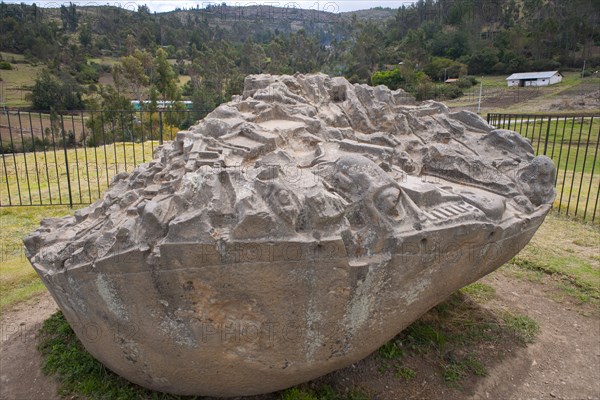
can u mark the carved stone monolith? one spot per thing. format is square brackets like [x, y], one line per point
[291, 232]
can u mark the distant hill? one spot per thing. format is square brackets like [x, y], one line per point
[374, 14]
[217, 46]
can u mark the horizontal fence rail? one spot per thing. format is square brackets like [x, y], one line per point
[69, 158]
[572, 143]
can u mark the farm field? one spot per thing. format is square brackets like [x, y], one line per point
[572, 95]
[16, 84]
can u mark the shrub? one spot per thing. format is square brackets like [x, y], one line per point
[88, 74]
[392, 79]
[445, 92]
[5, 65]
[466, 82]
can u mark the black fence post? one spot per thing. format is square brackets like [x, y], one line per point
[160, 122]
[62, 128]
[547, 135]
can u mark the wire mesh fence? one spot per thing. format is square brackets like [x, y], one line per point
[572, 143]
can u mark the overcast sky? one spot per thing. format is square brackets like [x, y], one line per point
[168, 5]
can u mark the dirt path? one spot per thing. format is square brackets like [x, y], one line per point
[21, 376]
[563, 363]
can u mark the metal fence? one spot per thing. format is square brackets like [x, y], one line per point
[70, 158]
[572, 143]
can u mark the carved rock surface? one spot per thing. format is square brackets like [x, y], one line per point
[290, 233]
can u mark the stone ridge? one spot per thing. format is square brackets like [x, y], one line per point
[345, 211]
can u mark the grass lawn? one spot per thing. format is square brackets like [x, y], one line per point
[566, 251]
[18, 81]
[572, 145]
[89, 171]
[104, 60]
[18, 280]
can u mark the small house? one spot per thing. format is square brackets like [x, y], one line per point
[526, 79]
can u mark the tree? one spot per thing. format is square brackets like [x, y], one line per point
[441, 68]
[69, 18]
[45, 93]
[165, 79]
[483, 61]
[85, 35]
[252, 58]
[48, 93]
[392, 79]
[414, 44]
[367, 52]
[130, 45]
[134, 73]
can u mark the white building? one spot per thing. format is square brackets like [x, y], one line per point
[534, 78]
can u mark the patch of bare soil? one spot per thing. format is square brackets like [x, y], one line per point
[562, 363]
[576, 101]
[497, 98]
[21, 376]
[564, 360]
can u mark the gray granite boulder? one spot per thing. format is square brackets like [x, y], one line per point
[288, 234]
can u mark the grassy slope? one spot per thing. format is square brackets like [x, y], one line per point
[18, 81]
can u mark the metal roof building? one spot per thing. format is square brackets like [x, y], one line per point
[545, 78]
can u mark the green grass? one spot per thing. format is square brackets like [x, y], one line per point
[322, 393]
[390, 351]
[480, 292]
[18, 280]
[564, 254]
[12, 56]
[454, 338]
[78, 372]
[455, 371]
[522, 326]
[571, 145]
[566, 250]
[406, 373]
[104, 60]
[492, 81]
[88, 179]
[18, 83]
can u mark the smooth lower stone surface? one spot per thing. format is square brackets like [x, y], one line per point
[290, 233]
